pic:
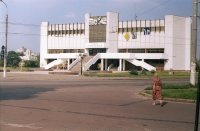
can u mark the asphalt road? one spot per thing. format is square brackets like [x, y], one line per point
[31, 102]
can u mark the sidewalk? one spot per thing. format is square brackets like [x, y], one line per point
[44, 75]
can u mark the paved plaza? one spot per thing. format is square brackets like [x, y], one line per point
[42, 102]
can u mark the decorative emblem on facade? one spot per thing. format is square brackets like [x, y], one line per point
[147, 31]
[134, 35]
[98, 20]
[127, 36]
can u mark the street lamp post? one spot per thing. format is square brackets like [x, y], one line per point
[5, 44]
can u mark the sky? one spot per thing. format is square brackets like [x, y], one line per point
[26, 16]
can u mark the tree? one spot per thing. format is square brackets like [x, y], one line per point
[20, 53]
[1, 63]
[31, 63]
[21, 64]
[13, 59]
[198, 65]
[38, 60]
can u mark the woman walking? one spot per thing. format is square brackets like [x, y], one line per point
[157, 90]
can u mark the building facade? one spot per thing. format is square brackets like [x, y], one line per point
[28, 54]
[149, 44]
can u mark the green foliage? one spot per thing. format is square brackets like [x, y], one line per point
[38, 60]
[143, 72]
[163, 74]
[133, 72]
[198, 65]
[20, 53]
[153, 71]
[182, 94]
[21, 64]
[178, 94]
[175, 86]
[1, 63]
[13, 59]
[31, 63]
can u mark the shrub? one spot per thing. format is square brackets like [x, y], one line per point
[133, 72]
[171, 72]
[198, 65]
[143, 72]
[153, 71]
[31, 63]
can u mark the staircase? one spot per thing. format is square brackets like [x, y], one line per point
[142, 64]
[114, 69]
[54, 63]
[77, 67]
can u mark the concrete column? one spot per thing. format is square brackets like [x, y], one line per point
[120, 64]
[142, 61]
[123, 65]
[102, 64]
[57, 65]
[106, 64]
[68, 63]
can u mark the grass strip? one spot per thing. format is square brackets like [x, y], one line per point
[174, 86]
[178, 94]
[163, 74]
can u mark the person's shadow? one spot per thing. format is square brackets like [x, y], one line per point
[164, 103]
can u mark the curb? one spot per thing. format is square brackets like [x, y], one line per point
[142, 93]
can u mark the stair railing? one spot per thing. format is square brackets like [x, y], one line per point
[91, 61]
[110, 66]
[74, 63]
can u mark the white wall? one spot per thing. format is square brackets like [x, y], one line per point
[87, 18]
[112, 32]
[43, 43]
[188, 31]
[169, 41]
[175, 39]
[154, 40]
[75, 41]
[181, 43]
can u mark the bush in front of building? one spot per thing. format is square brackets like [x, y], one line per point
[143, 72]
[153, 71]
[171, 72]
[31, 63]
[133, 72]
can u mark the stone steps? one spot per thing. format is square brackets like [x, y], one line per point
[77, 67]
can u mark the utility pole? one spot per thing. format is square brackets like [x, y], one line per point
[135, 13]
[193, 62]
[5, 45]
[194, 43]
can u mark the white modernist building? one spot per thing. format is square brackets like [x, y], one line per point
[103, 40]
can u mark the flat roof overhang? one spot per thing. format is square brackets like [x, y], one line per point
[111, 55]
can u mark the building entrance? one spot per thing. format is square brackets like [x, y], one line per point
[93, 52]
